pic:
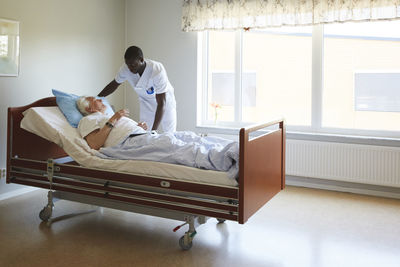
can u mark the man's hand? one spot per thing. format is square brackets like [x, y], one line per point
[118, 115]
[109, 89]
[143, 125]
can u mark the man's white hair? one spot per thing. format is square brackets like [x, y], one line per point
[82, 103]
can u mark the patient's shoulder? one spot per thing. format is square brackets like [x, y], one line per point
[91, 122]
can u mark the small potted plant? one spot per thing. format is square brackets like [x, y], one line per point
[216, 107]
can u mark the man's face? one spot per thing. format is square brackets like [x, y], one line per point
[134, 65]
[95, 104]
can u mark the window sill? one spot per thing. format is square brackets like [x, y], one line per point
[319, 137]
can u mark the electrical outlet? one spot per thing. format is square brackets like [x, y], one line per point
[3, 173]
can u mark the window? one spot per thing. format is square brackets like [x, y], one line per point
[3, 45]
[221, 78]
[336, 78]
[361, 87]
[9, 47]
[377, 91]
[281, 60]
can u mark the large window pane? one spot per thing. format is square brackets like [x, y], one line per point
[362, 76]
[276, 79]
[221, 76]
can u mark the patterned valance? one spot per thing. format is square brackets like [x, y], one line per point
[200, 15]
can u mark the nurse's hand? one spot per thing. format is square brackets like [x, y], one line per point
[143, 125]
[118, 115]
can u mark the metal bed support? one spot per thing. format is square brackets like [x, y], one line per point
[46, 213]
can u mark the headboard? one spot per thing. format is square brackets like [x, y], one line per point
[24, 144]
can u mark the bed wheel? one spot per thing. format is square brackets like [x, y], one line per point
[45, 213]
[185, 244]
[221, 220]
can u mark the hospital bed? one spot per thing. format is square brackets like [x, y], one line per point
[157, 189]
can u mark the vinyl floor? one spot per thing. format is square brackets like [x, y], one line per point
[299, 227]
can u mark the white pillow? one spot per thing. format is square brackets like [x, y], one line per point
[48, 123]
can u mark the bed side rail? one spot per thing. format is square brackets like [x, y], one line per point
[261, 167]
[23, 144]
[188, 197]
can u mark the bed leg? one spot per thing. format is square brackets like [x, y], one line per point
[186, 241]
[47, 211]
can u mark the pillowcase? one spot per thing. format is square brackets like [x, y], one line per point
[45, 122]
[67, 104]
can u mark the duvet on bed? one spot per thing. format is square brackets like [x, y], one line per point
[184, 148]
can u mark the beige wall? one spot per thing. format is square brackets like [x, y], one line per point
[75, 46]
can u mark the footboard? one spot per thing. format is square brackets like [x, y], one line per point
[261, 167]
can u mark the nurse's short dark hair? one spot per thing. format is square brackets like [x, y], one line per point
[133, 52]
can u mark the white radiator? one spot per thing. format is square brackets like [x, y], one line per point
[376, 165]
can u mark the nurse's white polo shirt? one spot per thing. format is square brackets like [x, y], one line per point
[154, 80]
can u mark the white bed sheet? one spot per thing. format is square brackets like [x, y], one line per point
[50, 123]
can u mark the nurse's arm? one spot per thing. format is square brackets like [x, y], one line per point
[160, 98]
[109, 89]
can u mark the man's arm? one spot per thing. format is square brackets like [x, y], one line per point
[161, 99]
[109, 89]
[98, 137]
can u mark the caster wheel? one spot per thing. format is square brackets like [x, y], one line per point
[221, 220]
[45, 214]
[183, 244]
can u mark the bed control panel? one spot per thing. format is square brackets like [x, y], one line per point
[165, 184]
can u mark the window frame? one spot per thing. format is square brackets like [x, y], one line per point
[313, 132]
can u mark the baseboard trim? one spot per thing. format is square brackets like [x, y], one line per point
[17, 192]
[363, 189]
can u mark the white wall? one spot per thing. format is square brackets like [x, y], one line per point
[155, 26]
[76, 46]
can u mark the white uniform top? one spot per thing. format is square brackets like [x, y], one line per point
[154, 80]
[122, 129]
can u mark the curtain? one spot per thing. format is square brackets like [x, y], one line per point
[200, 15]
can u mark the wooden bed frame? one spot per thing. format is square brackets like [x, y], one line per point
[34, 161]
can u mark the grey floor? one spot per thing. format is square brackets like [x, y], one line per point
[299, 227]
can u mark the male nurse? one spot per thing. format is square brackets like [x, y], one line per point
[150, 81]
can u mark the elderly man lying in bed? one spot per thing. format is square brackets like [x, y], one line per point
[119, 137]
